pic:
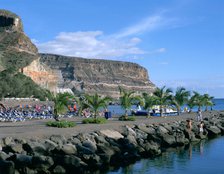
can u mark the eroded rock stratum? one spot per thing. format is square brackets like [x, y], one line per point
[96, 75]
[61, 73]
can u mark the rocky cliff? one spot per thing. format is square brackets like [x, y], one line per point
[61, 73]
[18, 54]
[16, 49]
[101, 76]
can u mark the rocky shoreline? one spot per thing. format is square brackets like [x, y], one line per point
[89, 152]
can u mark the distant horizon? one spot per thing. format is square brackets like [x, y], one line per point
[180, 43]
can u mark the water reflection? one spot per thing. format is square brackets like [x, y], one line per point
[199, 147]
[194, 158]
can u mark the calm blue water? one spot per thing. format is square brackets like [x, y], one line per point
[206, 157]
[117, 110]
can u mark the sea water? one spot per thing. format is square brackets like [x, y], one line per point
[206, 157]
[118, 110]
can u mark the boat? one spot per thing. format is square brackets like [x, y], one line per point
[139, 112]
[166, 112]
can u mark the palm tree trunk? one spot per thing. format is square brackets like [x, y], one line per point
[56, 116]
[95, 112]
[161, 111]
[126, 113]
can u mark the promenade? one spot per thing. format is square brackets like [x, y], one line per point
[38, 129]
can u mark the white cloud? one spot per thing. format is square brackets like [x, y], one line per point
[148, 24]
[91, 44]
[161, 50]
[94, 44]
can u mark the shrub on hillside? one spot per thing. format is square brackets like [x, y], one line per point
[16, 84]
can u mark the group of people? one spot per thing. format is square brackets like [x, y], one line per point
[86, 113]
[199, 119]
[21, 113]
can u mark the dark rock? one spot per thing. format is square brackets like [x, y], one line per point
[180, 138]
[8, 140]
[90, 145]
[213, 131]
[155, 138]
[58, 139]
[126, 130]
[21, 161]
[168, 140]
[151, 149]
[3, 155]
[221, 128]
[59, 170]
[84, 150]
[19, 141]
[85, 136]
[169, 127]
[161, 130]
[14, 148]
[69, 149]
[112, 142]
[42, 162]
[190, 135]
[27, 170]
[50, 145]
[148, 130]
[201, 136]
[71, 160]
[74, 141]
[32, 147]
[132, 140]
[7, 167]
[140, 134]
[101, 140]
[93, 161]
[105, 153]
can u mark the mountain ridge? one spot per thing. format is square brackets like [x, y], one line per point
[59, 73]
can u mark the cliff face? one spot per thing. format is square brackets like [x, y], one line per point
[19, 54]
[101, 76]
[16, 49]
[42, 75]
[61, 73]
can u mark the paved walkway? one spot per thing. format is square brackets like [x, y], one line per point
[38, 129]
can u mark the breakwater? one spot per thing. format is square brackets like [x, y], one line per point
[85, 153]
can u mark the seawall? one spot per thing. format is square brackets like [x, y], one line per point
[89, 152]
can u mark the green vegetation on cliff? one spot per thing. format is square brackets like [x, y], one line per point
[15, 84]
[16, 52]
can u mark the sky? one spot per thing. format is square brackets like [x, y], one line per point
[179, 42]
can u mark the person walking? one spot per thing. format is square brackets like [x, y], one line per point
[199, 115]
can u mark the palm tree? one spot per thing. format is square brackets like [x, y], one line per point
[95, 102]
[149, 101]
[198, 99]
[163, 97]
[180, 98]
[81, 104]
[127, 99]
[191, 103]
[61, 101]
[207, 100]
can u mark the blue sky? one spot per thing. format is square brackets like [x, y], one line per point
[180, 42]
